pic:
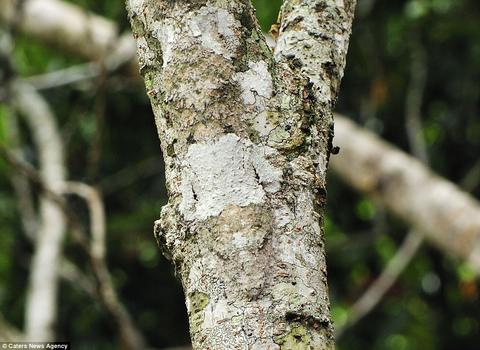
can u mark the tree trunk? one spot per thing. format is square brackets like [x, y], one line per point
[246, 138]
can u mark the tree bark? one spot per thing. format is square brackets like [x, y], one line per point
[246, 138]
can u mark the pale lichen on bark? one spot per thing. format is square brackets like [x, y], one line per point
[229, 171]
[245, 136]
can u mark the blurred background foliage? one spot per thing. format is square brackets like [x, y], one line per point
[435, 303]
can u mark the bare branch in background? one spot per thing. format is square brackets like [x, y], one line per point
[130, 336]
[123, 53]
[376, 291]
[31, 173]
[447, 216]
[41, 307]
[66, 76]
[28, 216]
[82, 32]
[412, 243]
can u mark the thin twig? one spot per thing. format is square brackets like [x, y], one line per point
[122, 53]
[382, 284]
[413, 103]
[77, 278]
[131, 337]
[97, 215]
[66, 76]
[95, 152]
[132, 173]
[78, 232]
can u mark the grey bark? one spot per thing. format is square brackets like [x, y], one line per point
[246, 137]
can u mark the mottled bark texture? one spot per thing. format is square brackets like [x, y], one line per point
[246, 137]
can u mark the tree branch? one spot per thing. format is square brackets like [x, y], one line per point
[95, 248]
[122, 53]
[20, 183]
[63, 25]
[41, 305]
[376, 291]
[238, 150]
[130, 336]
[412, 243]
[314, 36]
[447, 216]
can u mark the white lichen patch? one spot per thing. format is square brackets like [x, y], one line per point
[226, 23]
[197, 92]
[215, 28]
[146, 56]
[229, 171]
[256, 81]
[166, 34]
[283, 216]
[264, 123]
[268, 175]
[322, 165]
[218, 312]
[135, 5]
